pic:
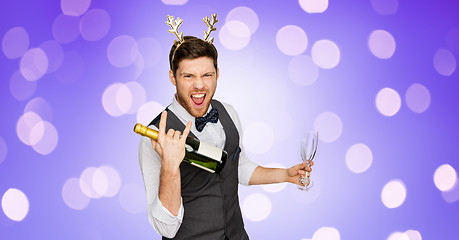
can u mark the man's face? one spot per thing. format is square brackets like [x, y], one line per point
[195, 81]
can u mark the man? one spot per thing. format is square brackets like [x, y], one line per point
[186, 202]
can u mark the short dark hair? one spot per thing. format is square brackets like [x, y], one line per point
[192, 47]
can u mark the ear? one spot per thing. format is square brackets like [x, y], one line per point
[172, 78]
[218, 73]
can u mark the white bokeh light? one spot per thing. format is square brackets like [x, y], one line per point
[113, 181]
[302, 70]
[314, 6]
[325, 54]
[48, 137]
[326, 233]
[95, 24]
[388, 102]
[256, 207]
[15, 42]
[245, 15]
[86, 183]
[122, 51]
[413, 235]
[75, 7]
[274, 187]
[234, 35]
[444, 62]
[393, 194]
[24, 127]
[3, 150]
[132, 198]
[359, 158]
[139, 96]
[397, 236]
[66, 29]
[174, 2]
[451, 195]
[15, 204]
[34, 64]
[254, 133]
[291, 40]
[417, 98]
[385, 7]
[21, 88]
[117, 99]
[150, 50]
[41, 107]
[72, 195]
[445, 177]
[382, 44]
[148, 111]
[329, 126]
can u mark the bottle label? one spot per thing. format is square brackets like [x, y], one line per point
[210, 151]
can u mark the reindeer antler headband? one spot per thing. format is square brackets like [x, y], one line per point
[210, 22]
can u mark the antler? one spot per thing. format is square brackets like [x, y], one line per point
[174, 28]
[210, 27]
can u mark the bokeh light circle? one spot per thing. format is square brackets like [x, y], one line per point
[66, 29]
[325, 54]
[72, 195]
[122, 51]
[148, 112]
[132, 198]
[15, 42]
[174, 2]
[413, 235]
[452, 195]
[112, 178]
[86, 183]
[94, 25]
[234, 35]
[245, 15]
[256, 207]
[326, 233]
[382, 44]
[151, 50]
[445, 177]
[302, 70]
[3, 150]
[291, 40]
[274, 187]
[417, 98]
[21, 88]
[388, 102]
[54, 53]
[15, 204]
[314, 6]
[75, 7]
[385, 7]
[359, 158]
[139, 96]
[329, 126]
[444, 62]
[117, 99]
[397, 236]
[252, 135]
[41, 107]
[48, 141]
[393, 194]
[25, 125]
[34, 64]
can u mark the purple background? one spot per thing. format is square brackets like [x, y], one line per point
[408, 146]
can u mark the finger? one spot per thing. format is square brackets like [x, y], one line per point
[162, 124]
[308, 169]
[171, 132]
[153, 143]
[311, 163]
[177, 135]
[186, 131]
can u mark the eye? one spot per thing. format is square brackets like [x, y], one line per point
[208, 75]
[187, 76]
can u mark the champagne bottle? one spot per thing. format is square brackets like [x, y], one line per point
[197, 153]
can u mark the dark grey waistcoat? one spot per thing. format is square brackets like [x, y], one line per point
[211, 201]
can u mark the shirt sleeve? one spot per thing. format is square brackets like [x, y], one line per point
[246, 166]
[163, 221]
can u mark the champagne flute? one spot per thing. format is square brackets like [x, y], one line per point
[308, 152]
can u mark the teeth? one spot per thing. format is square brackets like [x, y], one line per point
[198, 95]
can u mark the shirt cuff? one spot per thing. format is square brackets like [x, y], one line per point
[164, 222]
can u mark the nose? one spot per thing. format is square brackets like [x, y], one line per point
[198, 83]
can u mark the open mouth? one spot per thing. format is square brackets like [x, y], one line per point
[198, 99]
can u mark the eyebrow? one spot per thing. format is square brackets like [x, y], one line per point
[185, 73]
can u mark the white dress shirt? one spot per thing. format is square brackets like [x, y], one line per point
[164, 222]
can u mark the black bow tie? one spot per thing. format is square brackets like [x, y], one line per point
[201, 122]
